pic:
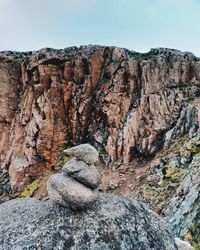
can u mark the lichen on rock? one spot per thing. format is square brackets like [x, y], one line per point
[30, 189]
[112, 223]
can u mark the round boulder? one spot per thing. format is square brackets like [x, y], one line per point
[67, 192]
[84, 152]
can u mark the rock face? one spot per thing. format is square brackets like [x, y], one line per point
[183, 208]
[75, 188]
[113, 223]
[122, 102]
[173, 187]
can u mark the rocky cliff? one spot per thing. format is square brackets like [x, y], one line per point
[123, 102]
[130, 106]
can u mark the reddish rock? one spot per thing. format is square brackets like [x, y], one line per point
[121, 102]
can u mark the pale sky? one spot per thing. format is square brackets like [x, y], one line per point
[134, 24]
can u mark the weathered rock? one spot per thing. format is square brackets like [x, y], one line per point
[17, 171]
[5, 187]
[173, 188]
[186, 122]
[120, 101]
[183, 245]
[112, 223]
[84, 152]
[67, 192]
[182, 209]
[83, 173]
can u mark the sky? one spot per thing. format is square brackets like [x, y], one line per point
[138, 25]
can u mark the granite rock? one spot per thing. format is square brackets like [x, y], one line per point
[67, 192]
[84, 152]
[83, 173]
[112, 223]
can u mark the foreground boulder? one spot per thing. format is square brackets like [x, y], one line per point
[183, 245]
[112, 223]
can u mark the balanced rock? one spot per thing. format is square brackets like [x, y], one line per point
[67, 192]
[84, 152]
[75, 188]
[82, 172]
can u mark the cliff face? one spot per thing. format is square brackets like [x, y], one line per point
[125, 103]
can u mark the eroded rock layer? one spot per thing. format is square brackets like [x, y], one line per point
[122, 102]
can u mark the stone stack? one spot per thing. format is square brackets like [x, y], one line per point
[76, 187]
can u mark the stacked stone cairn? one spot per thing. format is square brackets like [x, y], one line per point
[76, 187]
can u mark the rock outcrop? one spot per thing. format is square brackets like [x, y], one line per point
[123, 102]
[76, 188]
[112, 223]
[183, 207]
[173, 188]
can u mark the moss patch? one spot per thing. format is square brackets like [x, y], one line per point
[180, 142]
[30, 189]
[174, 174]
[158, 195]
[60, 162]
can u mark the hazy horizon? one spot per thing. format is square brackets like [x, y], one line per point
[137, 25]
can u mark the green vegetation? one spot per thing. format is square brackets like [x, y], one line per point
[195, 149]
[30, 189]
[60, 162]
[72, 51]
[197, 92]
[178, 143]
[143, 56]
[173, 175]
[193, 234]
[190, 99]
[180, 86]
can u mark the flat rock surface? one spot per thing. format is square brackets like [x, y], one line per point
[113, 223]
